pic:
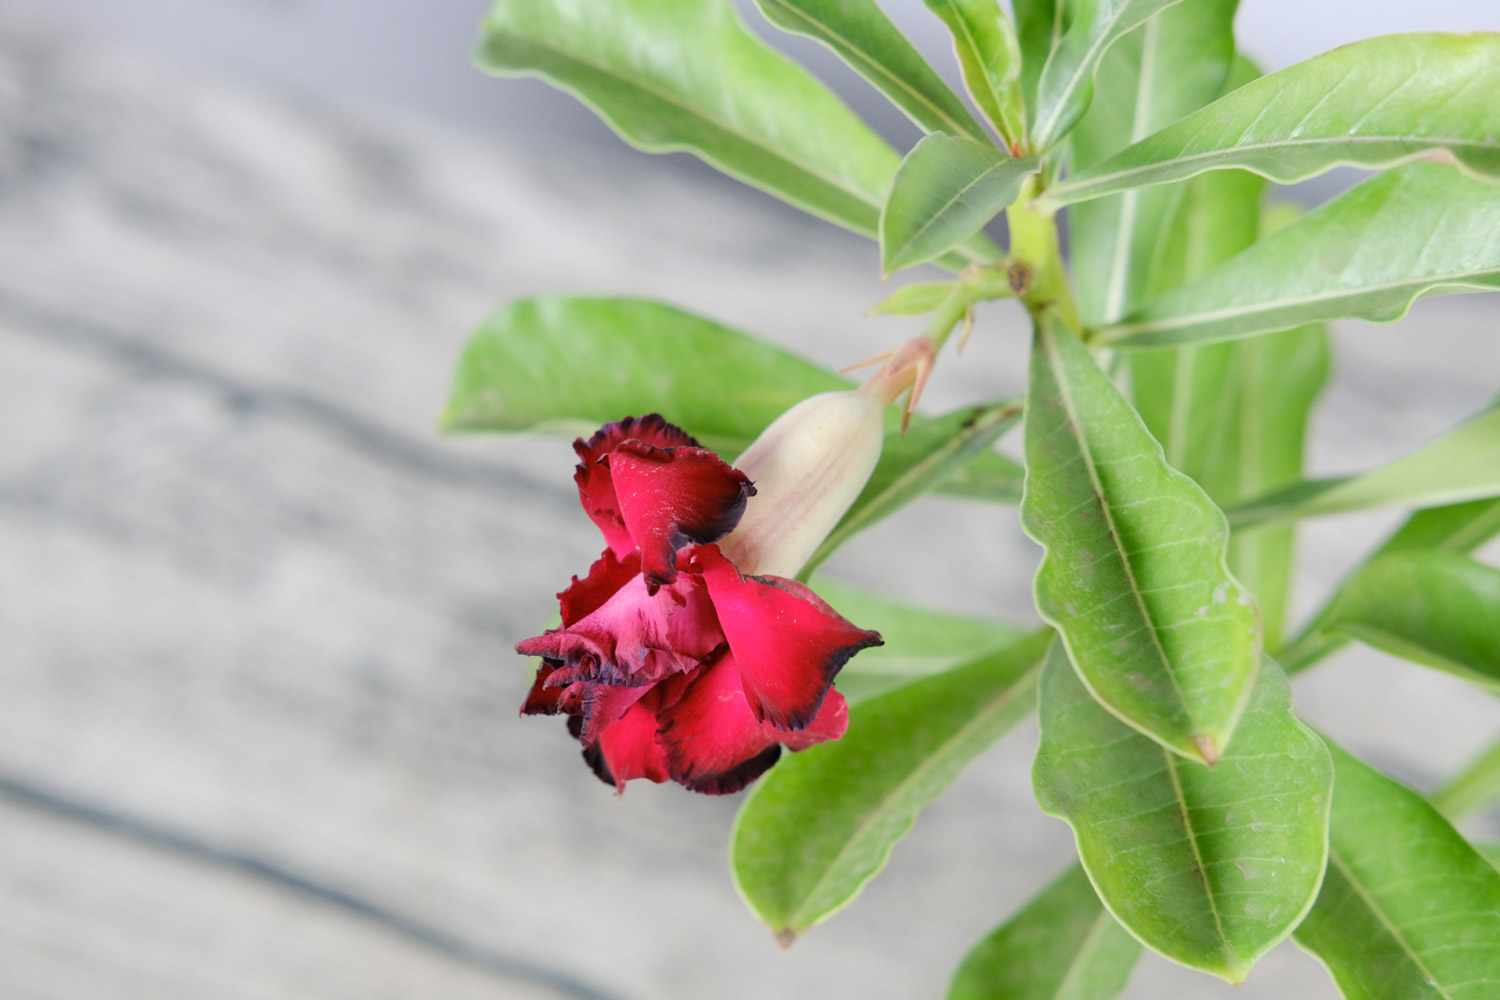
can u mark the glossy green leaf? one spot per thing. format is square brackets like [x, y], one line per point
[1040, 25]
[1490, 852]
[1175, 63]
[673, 75]
[1463, 464]
[948, 187]
[914, 299]
[916, 464]
[1434, 608]
[1408, 910]
[1134, 575]
[1474, 788]
[566, 365]
[1374, 103]
[865, 38]
[1210, 866]
[1461, 527]
[1234, 415]
[917, 641]
[990, 56]
[1368, 254]
[1063, 945]
[1066, 85]
[822, 823]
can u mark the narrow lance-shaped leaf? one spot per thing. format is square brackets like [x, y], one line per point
[1063, 945]
[823, 822]
[917, 641]
[672, 75]
[862, 35]
[1134, 574]
[1040, 25]
[1368, 254]
[990, 56]
[1434, 608]
[1463, 464]
[1067, 82]
[1408, 910]
[915, 464]
[1210, 866]
[914, 299]
[948, 187]
[1176, 62]
[1461, 527]
[1373, 104]
[566, 365]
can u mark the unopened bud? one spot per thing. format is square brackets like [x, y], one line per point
[810, 465]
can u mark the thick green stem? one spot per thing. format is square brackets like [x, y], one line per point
[1037, 270]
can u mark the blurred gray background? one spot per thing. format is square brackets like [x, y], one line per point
[257, 701]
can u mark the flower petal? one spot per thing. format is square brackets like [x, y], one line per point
[595, 484]
[551, 698]
[788, 642]
[635, 637]
[672, 497]
[627, 749]
[714, 745]
[602, 705]
[606, 576]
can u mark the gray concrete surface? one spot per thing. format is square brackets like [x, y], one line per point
[257, 700]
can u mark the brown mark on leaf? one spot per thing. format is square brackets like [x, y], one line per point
[1207, 749]
[1019, 274]
[1444, 156]
[786, 937]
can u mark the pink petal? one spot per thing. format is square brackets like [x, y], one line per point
[628, 749]
[635, 637]
[595, 485]
[672, 497]
[788, 642]
[602, 705]
[551, 698]
[606, 576]
[714, 745]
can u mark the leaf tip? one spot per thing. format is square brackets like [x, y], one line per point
[786, 937]
[1207, 749]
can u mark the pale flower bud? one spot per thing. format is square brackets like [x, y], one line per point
[810, 465]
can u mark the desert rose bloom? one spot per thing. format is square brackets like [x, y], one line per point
[684, 659]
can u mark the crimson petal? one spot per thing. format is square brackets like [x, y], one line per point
[606, 576]
[671, 497]
[627, 749]
[635, 637]
[714, 745]
[596, 488]
[788, 642]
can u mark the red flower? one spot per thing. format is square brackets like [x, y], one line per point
[671, 662]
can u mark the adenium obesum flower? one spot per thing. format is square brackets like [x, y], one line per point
[687, 652]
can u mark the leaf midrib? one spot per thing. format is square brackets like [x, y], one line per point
[1192, 836]
[898, 791]
[1335, 859]
[871, 63]
[947, 205]
[1067, 192]
[1124, 331]
[1055, 360]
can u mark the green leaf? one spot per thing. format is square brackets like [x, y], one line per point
[1210, 866]
[1063, 945]
[823, 822]
[1490, 852]
[1463, 464]
[1434, 608]
[673, 75]
[1134, 576]
[1176, 62]
[915, 299]
[1040, 25]
[1476, 787]
[915, 464]
[1461, 527]
[1066, 85]
[566, 365]
[918, 642]
[990, 57]
[860, 33]
[1368, 254]
[1408, 910]
[948, 187]
[1372, 104]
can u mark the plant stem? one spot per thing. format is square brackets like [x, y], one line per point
[1033, 246]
